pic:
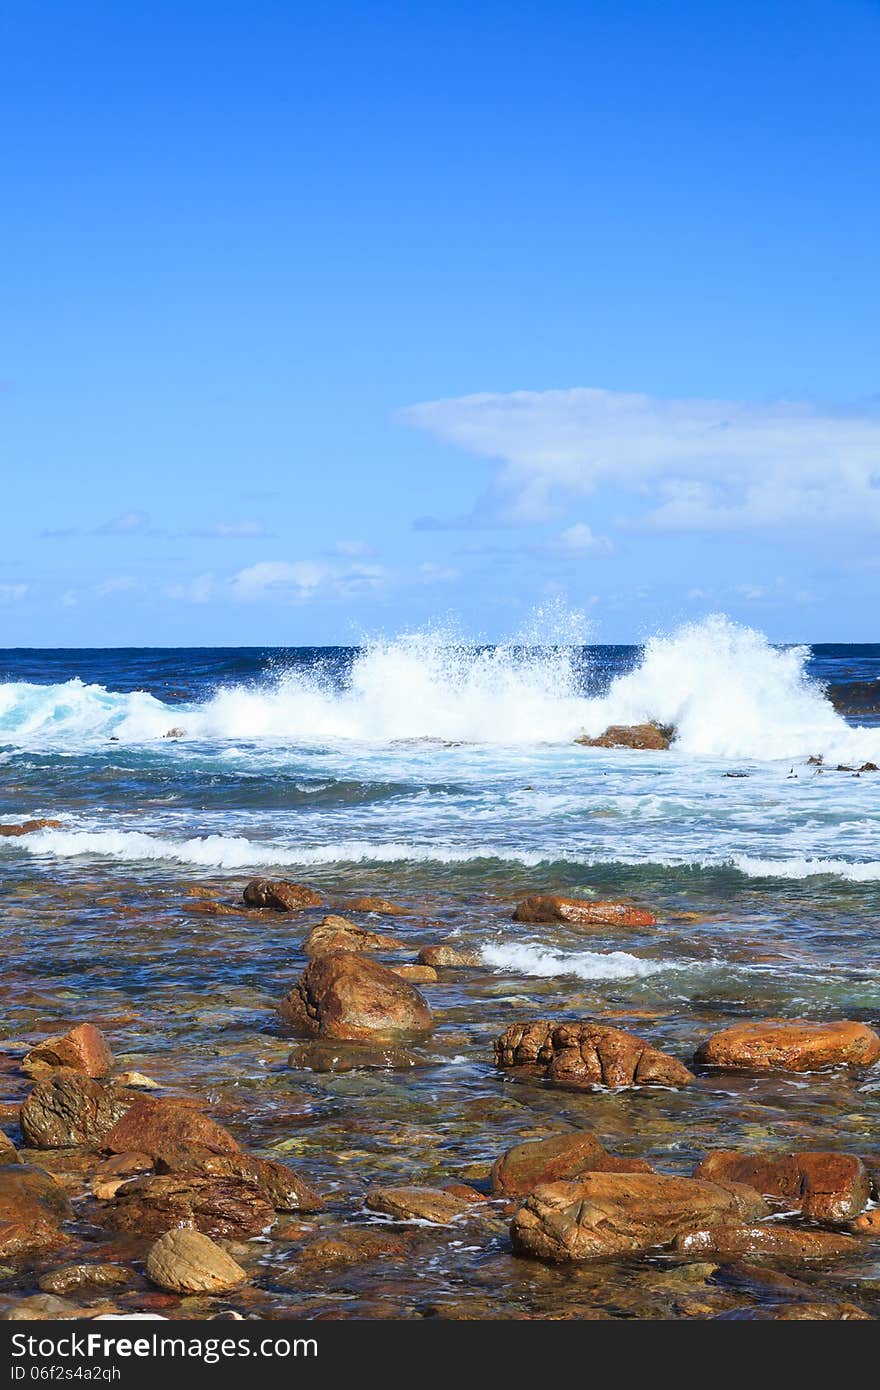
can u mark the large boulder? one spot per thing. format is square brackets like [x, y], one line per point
[611, 1214]
[826, 1187]
[580, 912]
[83, 1049]
[281, 896]
[32, 1207]
[338, 934]
[69, 1110]
[790, 1046]
[224, 1207]
[642, 736]
[349, 997]
[185, 1261]
[587, 1054]
[562, 1156]
[273, 1182]
[165, 1127]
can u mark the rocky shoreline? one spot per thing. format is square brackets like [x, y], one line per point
[120, 1193]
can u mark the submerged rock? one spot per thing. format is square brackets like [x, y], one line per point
[580, 912]
[825, 1187]
[185, 1261]
[163, 1127]
[69, 1110]
[280, 895]
[643, 736]
[273, 1182]
[85, 1277]
[563, 1156]
[587, 1054]
[778, 1045]
[419, 974]
[338, 934]
[610, 1214]
[83, 1049]
[432, 1204]
[348, 997]
[355, 1245]
[767, 1238]
[339, 1056]
[32, 1207]
[381, 906]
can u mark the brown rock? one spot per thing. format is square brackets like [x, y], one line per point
[826, 1187]
[69, 1110]
[338, 934]
[41, 1307]
[281, 896]
[419, 974]
[587, 1054]
[562, 1156]
[273, 1182]
[868, 1224]
[643, 736]
[347, 996]
[338, 1057]
[29, 826]
[355, 1245]
[790, 1046]
[186, 1261]
[766, 1238]
[609, 1214]
[110, 1175]
[431, 1204]
[74, 1278]
[819, 1312]
[32, 1207]
[579, 912]
[83, 1049]
[8, 1151]
[164, 1126]
[381, 906]
[446, 957]
[215, 1206]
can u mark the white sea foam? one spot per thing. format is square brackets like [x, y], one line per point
[728, 692]
[521, 958]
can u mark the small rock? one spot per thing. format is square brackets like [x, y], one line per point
[73, 1278]
[381, 906]
[446, 957]
[868, 1224]
[136, 1081]
[766, 1238]
[825, 1187]
[83, 1049]
[338, 934]
[790, 1046]
[431, 1204]
[280, 896]
[215, 1206]
[273, 1182]
[339, 1057]
[418, 974]
[348, 997]
[580, 912]
[29, 827]
[185, 1261]
[642, 736]
[41, 1307]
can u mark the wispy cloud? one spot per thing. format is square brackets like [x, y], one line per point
[13, 593]
[233, 530]
[200, 589]
[687, 464]
[127, 524]
[578, 539]
[297, 581]
[118, 584]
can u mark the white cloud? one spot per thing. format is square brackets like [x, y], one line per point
[233, 530]
[688, 464]
[300, 580]
[128, 524]
[579, 538]
[13, 593]
[430, 573]
[353, 548]
[119, 584]
[197, 590]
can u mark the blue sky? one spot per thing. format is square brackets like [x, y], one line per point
[325, 320]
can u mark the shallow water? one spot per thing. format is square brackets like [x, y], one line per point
[448, 781]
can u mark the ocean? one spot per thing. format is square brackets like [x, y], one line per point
[447, 779]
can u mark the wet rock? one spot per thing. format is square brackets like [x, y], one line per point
[185, 1261]
[338, 934]
[432, 1204]
[355, 1245]
[8, 1151]
[562, 1156]
[83, 1049]
[587, 1054]
[609, 1214]
[348, 997]
[69, 1110]
[72, 1279]
[766, 1238]
[825, 1187]
[135, 1080]
[29, 827]
[215, 1206]
[281, 896]
[868, 1224]
[642, 736]
[339, 1057]
[164, 1126]
[381, 906]
[790, 1046]
[446, 957]
[41, 1307]
[579, 912]
[32, 1207]
[818, 1312]
[418, 974]
[109, 1176]
[273, 1182]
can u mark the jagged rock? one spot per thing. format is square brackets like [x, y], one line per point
[563, 1156]
[29, 827]
[273, 1182]
[338, 934]
[826, 1187]
[580, 912]
[215, 1206]
[790, 1046]
[587, 1054]
[609, 1214]
[69, 1110]
[642, 736]
[281, 896]
[83, 1049]
[185, 1261]
[348, 997]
